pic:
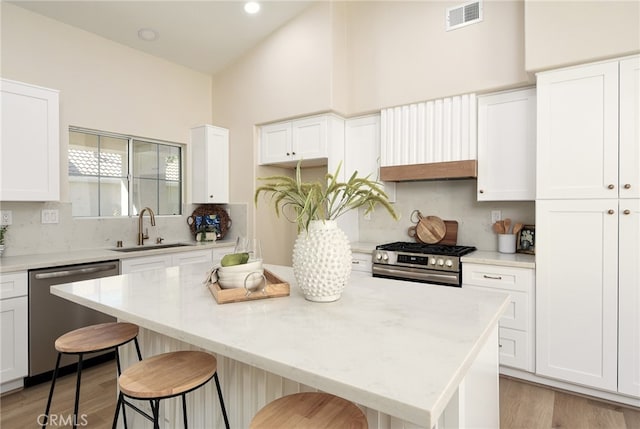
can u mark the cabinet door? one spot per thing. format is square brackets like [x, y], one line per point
[219, 252]
[13, 284]
[13, 338]
[577, 291]
[309, 138]
[577, 150]
[507, 146]
[275, 143]
[195, 257]
[361, 263]
[629, 303]
[29, 149]
[134, 265]
[209, 147]
[630, 128]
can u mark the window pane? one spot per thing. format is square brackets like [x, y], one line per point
[83, 154]
[145, 160]
[114, 196]
[114, 157]
[169, 157]
[145, 194]
[170, 198]
[84, 196]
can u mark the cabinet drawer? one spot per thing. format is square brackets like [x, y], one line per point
[361, 262]
[519, 312]
[514, 350]
[517, 279]
[13, 284]
[194, 257]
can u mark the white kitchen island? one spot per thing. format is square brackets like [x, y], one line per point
[411, 355]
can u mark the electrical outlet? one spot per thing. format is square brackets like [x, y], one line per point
[496, 215]
[50, 216]
[6, 217]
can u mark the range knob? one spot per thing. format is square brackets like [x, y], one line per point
[441, 262]
[449, 263]
[385, 257]
[432, 261]
[378, 256]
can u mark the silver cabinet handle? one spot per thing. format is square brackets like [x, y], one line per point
[492, 277]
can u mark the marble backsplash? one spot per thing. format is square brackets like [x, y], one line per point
[28, 235]
[450, 200]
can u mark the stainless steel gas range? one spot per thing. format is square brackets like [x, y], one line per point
[426, 263]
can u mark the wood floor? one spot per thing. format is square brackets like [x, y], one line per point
[522, 405]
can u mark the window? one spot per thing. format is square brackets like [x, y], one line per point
[116, 175]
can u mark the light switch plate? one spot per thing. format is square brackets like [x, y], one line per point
[6, 217]
[50, 216]
[496, 215]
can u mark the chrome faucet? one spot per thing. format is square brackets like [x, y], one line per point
[142, 236]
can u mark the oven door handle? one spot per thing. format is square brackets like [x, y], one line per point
[416, 274]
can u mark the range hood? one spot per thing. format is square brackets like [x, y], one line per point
[430, 171]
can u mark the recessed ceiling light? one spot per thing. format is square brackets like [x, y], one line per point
[252, 7]
[147, 34]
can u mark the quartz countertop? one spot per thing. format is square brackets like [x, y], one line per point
[399, 347]
[57, 259]
[518, 260]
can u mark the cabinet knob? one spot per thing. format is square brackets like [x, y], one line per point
[293, 153]
[627, 186]
[627, 211]
[288, 154]
[481, 191]
[611, 211]
[610, 186]
[211, 196]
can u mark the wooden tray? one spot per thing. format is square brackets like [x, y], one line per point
[275, 288]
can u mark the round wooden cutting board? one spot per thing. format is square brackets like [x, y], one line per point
[431, 229]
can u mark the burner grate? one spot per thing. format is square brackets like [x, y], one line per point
[433, 249]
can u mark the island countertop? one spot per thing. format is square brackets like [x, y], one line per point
[399, 347]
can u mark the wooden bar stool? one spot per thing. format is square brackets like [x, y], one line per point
[165, 376]
[94, 338]
[310, 410]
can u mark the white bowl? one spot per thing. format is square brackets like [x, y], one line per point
[242, 268]
[249, 280]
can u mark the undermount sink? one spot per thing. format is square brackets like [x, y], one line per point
[150, 247]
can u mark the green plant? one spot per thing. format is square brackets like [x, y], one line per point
[3, 230]
[318, 201]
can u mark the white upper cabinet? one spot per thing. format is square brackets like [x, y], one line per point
[209, 149]
[29, 149]
[507, 146]
[307, 139]
[578, 131]
[630, 128]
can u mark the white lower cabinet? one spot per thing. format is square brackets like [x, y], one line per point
[517, 326]
[166, 260]
[13, 330]
[361, 263]
[219, 252]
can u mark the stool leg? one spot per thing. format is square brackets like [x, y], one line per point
[75, 406]
[184, 410]
[224, 411]
[155, 409]
[118, 405]
[53, 384]
[135, 340]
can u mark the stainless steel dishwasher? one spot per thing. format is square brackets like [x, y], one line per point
[51, 316]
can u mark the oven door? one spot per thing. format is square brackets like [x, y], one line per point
[416, 274]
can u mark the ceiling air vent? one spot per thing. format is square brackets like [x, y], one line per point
[468, 13]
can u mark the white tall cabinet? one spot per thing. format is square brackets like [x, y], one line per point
[209, 148]
[588, 225]
[29, 147]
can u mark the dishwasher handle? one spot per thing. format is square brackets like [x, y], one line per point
[75, 272]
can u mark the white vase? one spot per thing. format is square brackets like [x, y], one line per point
[322, 261]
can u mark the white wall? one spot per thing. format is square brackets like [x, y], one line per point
[106, 86]
[560, 33]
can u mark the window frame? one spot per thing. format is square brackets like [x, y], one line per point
[130, 172]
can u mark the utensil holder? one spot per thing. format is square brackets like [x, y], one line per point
[507, 243]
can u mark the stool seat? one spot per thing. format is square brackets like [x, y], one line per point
[310, 410]
[168, 374]
[96, 337]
